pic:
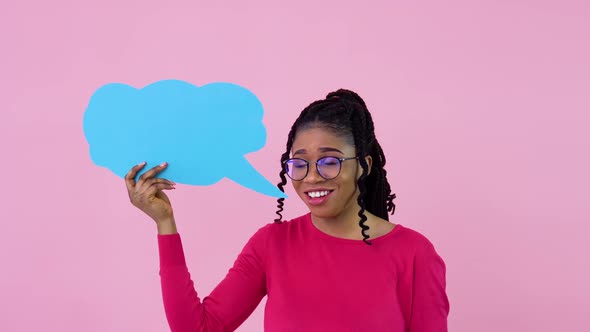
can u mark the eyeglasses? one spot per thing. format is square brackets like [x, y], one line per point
[328, 167]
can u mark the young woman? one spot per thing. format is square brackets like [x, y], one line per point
[341, 267]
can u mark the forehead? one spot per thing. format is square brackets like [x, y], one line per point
[312, 139]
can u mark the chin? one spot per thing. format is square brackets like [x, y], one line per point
[321, 212]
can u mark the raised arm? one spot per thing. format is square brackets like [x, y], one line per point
[230, 303]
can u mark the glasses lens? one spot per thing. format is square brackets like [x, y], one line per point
[329, 167]
[296, 169]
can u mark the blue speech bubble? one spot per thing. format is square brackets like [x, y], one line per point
[202, 132]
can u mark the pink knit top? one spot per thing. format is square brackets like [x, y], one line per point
[314, 282]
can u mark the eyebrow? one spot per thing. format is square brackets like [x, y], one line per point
[322, 150]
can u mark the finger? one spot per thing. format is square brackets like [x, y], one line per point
[130, 176]
[164, 186]
[151, 173]
[147, 184]
[153, 190]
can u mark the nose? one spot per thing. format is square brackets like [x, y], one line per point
[313, 176]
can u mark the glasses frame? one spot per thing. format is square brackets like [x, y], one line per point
[317, 166]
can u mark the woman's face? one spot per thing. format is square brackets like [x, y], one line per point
[332, 198]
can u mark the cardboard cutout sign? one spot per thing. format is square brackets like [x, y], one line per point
[202, 132]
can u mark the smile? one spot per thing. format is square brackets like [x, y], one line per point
[318, 193]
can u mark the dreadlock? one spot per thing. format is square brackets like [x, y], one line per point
[344, 113]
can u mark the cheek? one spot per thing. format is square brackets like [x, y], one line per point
[296, 186]
[348, 182]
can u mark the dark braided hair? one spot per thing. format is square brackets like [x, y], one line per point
[344, 113]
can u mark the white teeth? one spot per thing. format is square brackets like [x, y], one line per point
[316, 194]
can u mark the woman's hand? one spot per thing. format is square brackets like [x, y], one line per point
[147, 195]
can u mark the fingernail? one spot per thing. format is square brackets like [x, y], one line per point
[163, 164]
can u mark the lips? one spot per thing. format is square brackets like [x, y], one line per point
[318, 196]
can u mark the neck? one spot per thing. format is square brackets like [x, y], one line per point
[343, 226]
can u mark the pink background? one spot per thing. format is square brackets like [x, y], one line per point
[481, 106]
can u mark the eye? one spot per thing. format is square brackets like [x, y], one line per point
[298, 163]
[329, 161]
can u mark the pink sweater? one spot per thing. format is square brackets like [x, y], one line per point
[314, 282]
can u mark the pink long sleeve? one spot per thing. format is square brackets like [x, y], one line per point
[230, 303]
[430, 305]
[314, 282]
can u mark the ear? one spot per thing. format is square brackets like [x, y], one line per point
[369, 161]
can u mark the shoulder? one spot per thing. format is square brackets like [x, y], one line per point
[279, 229]
[414, 242]
[410, 236]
